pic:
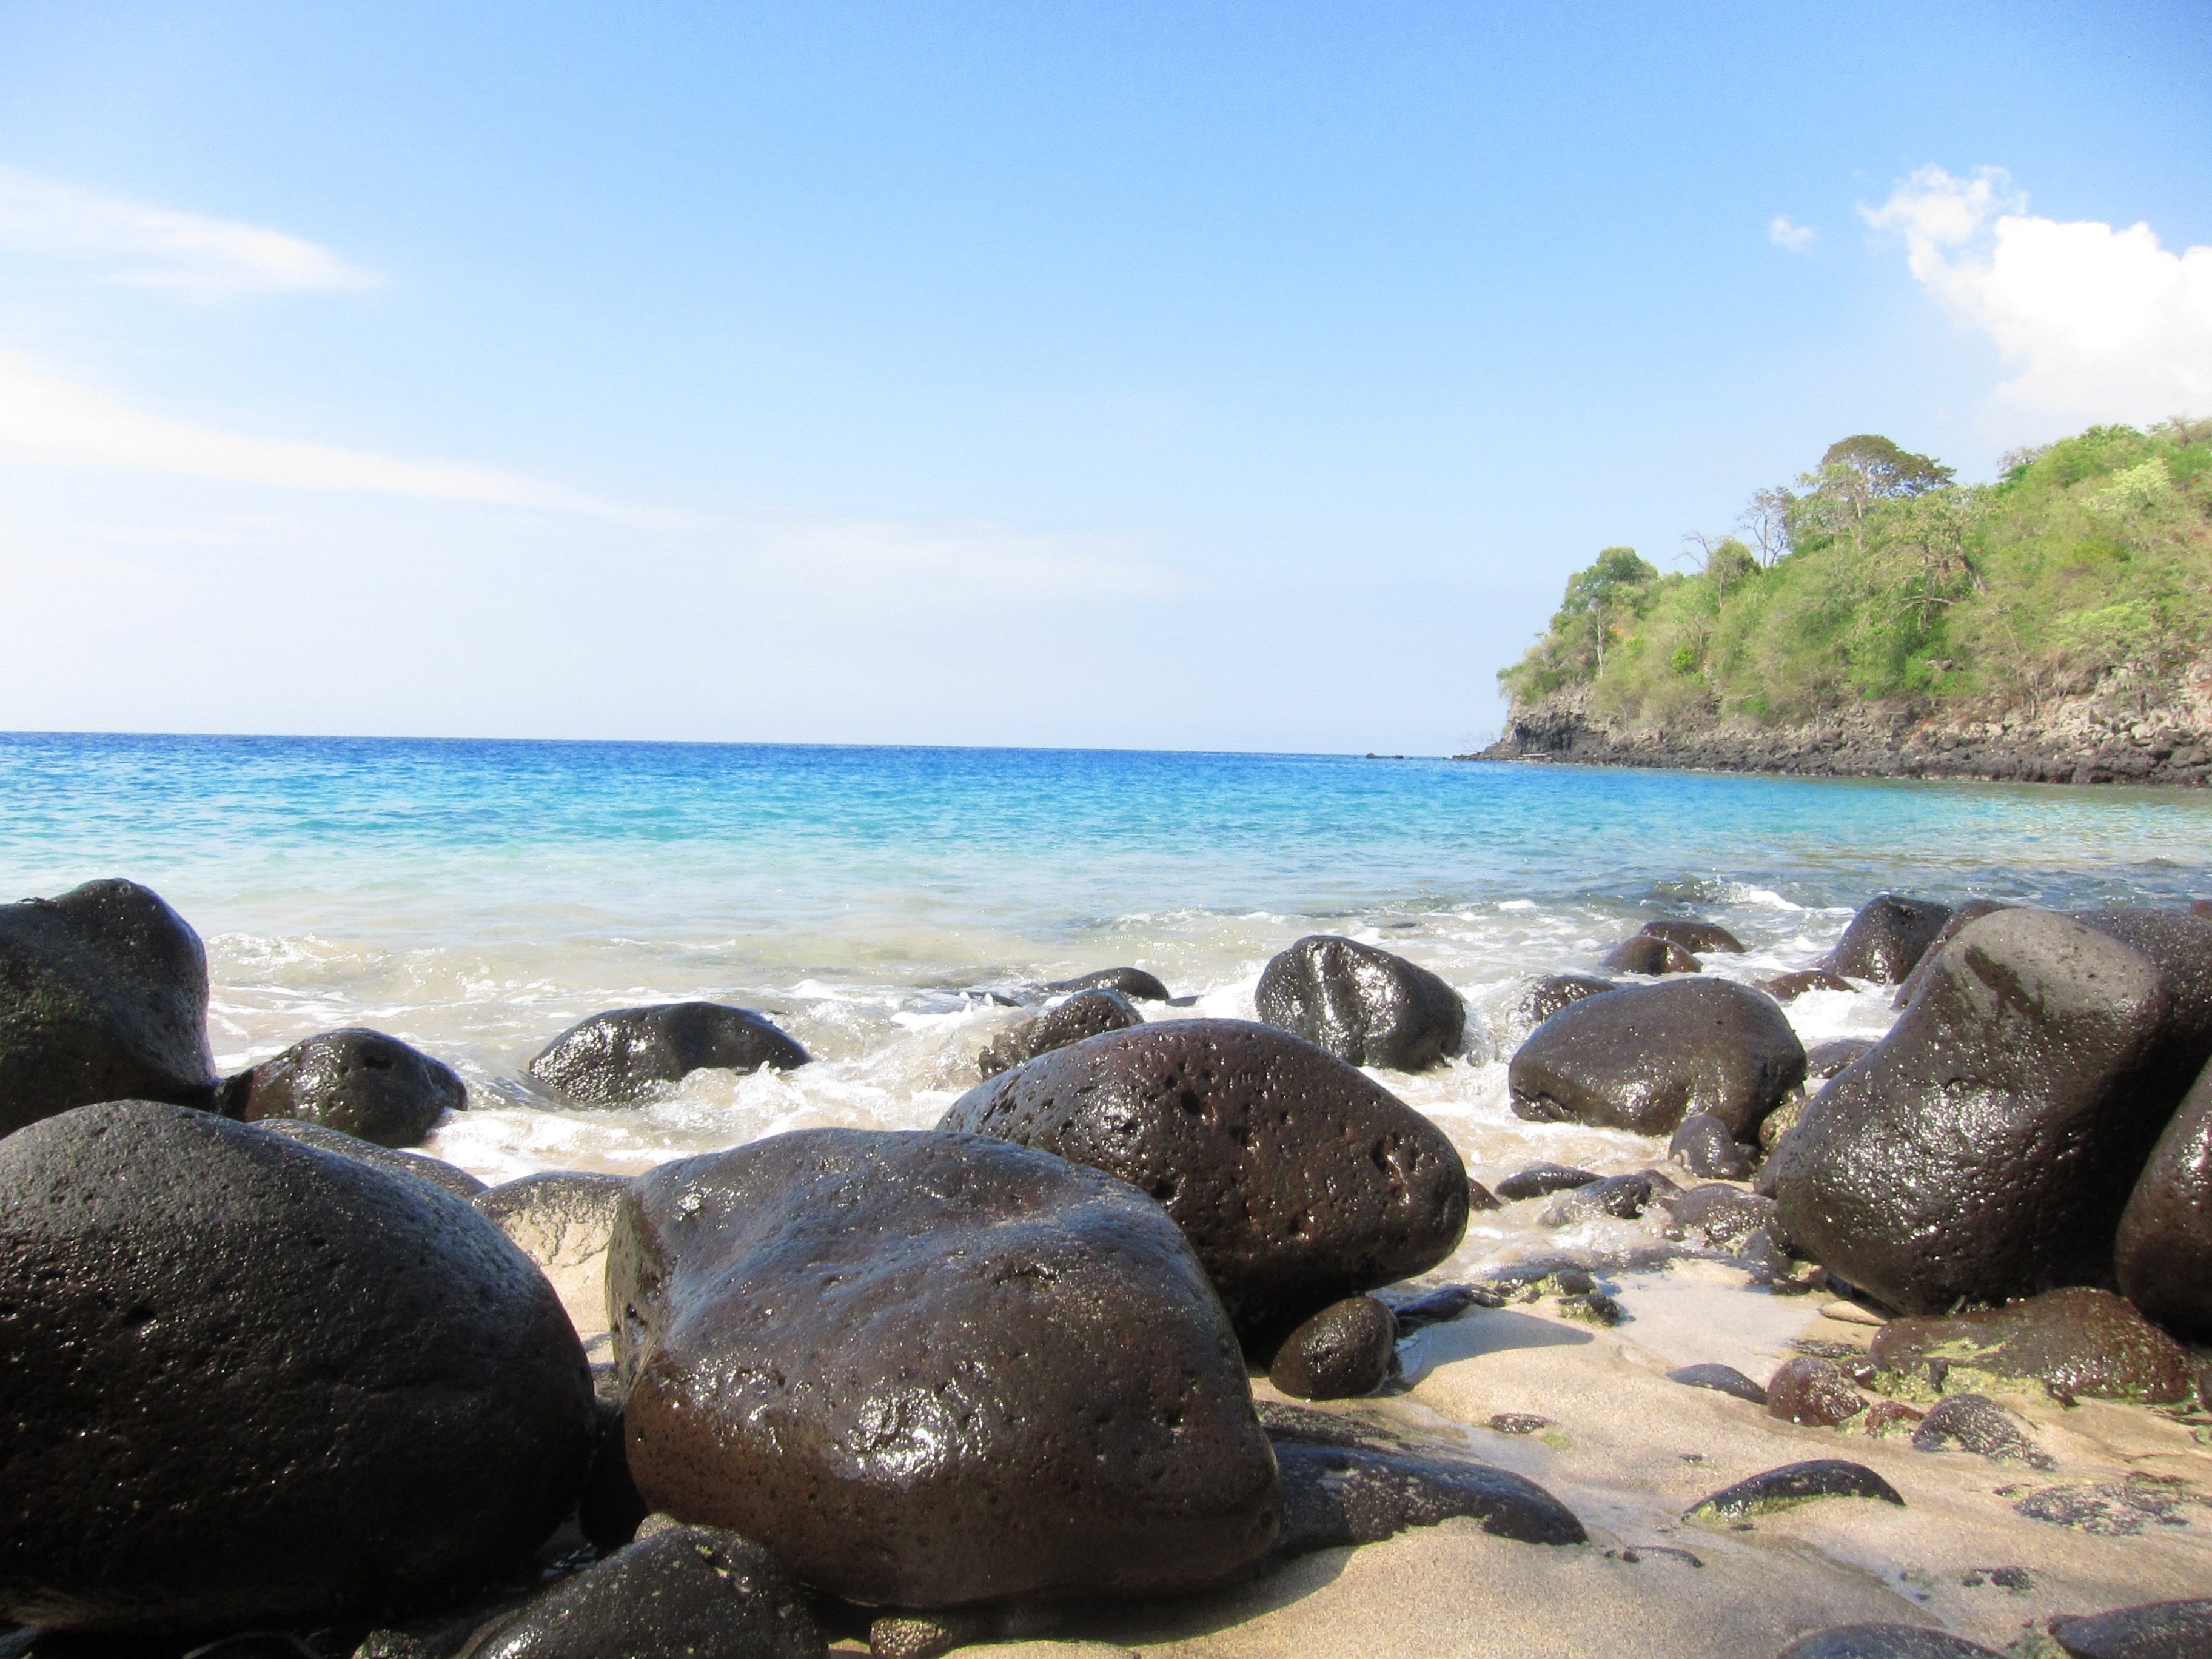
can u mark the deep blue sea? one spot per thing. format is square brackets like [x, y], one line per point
[476, 897]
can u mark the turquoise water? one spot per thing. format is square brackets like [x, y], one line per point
[477, 897]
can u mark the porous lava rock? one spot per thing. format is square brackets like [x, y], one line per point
[1132, 982]
[1987, 1147]
[1697, 937]
[1703, 1146]
[1365, 1005]
[103, 996]
[1542, 1180]
[2163, 1253]
[1813, 1393]
[1623, 1197]
[1884, 1640]
[1720, 1216]
[692, 1590]
[1974, 1423]
[1824, 1060]
[1644, 954]
[1792, 1484]
[1299, 1180]
[1645, 1056]
[359, 1082]
[627, 1055]
[1887, 937]
[1548, 996]
[252, 1385]
[1342, 1351]
[416, 1166]
[1086, 1014]
[2079, 1340]
[927, 1368]
[2156, 1630]
[1967, 914]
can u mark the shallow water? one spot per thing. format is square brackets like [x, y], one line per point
[476, 898]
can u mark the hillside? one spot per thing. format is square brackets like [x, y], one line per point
[1879, 617]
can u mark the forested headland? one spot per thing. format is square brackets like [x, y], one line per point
[1877, 615]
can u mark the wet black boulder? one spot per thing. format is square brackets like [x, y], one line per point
[928, 1369]
[103, 996]
[1646, 1056]
[417, 1166]
[2164, 1250]
[1086, 1014]
[1366, 1006]
[251, 1385]
[359, 1082]
[627, 1055]
[2156, 1630]
[1703, 1145]
[1342, 1351]
[1880, 1641]
[1985, 1148]
[1887, 937]
[1960, 918]
[1299, 1180]
[1132, 982]
[1697, 937]
[1548, 996]
[690, 1590]
[2078, 1340]
[1644, 954]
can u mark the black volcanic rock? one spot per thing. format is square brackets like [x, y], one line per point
[1548, 996]
[1645, 1056]
[1987, 1147]
[1343, 1351]
[418, 1166]
[1300, 1180]
[1132, 982]
[1794, 1483]
[624, 1055]
[2156, 1630]
[1697, 937]
[103, 996]
[927, 1368]
[2164, 1249]
[1335, 1496]
[1883, 1641]
[1971, 911]
[252, 1385]
[1887, 937]
[1542, 1180]
[361, 1083]
[1086, 1014]
[1366, 1006]
[1646, 954]
[2079, 1340]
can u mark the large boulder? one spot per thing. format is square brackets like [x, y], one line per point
[629, 1054]
[103, 996]
[2079, 1340]
[1887, 937]
[359, 1082]
[2164, 1250]
[1085, 1014]
[929, 1368]
[416, 1166]
[1967, 914]
[1366, 1006]
[1645, 1056]
[1300, 1180]
[252, 1385]
[1984, 1149]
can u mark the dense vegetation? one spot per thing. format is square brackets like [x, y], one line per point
[2088, 562]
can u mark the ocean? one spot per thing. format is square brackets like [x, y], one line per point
[476, 898]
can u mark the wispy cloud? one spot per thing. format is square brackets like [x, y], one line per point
[876, 565]
[45, 418]
[1783, 234]
[187, 254]
[2103, 323]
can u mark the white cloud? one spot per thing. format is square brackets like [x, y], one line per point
[49, 420]
[863, 565]
[2100, 323]
[154, 247]
[1783, 233]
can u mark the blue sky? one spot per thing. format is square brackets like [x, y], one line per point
[1174, 376]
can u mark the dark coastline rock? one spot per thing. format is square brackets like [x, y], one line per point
[1298, 1179]
[1335, 1496]
[1341, 1352]
[1792, 1485]
[1542, 1180]
[1132, 982]
[1697, 937]
[1548, 996]
[690, 1591]
[2156, 1630]
[2076, 1341]
[927, 1368]
[1881, 1641]
[1975, 1423]
[1623, 1197]
[1722, 1217]
[1086, 1014]
[626, 1055]
[1703, 1146]
[1645, 1056]
[1812, 1392]
[1888, 937]
[103, 996]
[416, 1166]
[1644, 954]
[1985, 1148]
[1788, 987]
[359, 1082]
[1722, 1379]
[2163, 1253]
[1366, 1006]
[1967, 914]
[1824, 1060]
[253, 1385]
